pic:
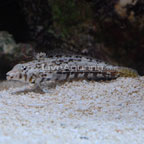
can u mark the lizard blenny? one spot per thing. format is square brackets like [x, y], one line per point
[46, 70]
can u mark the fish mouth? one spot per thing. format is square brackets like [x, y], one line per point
[8, 77]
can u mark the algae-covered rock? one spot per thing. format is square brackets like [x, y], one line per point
[12, 53]
[119, 24]
[109, 30]
[7, 43]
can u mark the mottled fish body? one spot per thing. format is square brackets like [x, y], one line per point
[57, 68]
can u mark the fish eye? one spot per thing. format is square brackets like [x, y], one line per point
[23, 67]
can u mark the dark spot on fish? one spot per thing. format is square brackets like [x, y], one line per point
[64, 72]
[80, 68]
[72, 73]
[73, 68]
[70, 60]
[78, 56]
[86, 74]
[87, 68]
[30, 79]
[20, 76]
[48, 79]
[42, 80]
[68, 74]
[93, 69]
[90, 60]
[34, 75]
[67, 70]
[25, 77]
[44, 75]
[76, 75]
[66, 62]
[61, 61]
[59, 72]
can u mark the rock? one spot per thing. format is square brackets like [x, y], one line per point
[12, 53]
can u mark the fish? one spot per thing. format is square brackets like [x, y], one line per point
[45, 70]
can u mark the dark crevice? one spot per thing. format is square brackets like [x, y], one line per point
[13, 21]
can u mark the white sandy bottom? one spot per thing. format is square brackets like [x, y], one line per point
[75, 113]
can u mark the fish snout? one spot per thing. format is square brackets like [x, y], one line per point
[11, 75]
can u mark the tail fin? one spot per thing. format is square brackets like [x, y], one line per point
[127, 72]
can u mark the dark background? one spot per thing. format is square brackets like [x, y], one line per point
[97, 28]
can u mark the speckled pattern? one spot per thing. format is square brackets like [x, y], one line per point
[79, 112]
[44, 71]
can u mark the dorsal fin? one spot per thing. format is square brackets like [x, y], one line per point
[40, 56]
